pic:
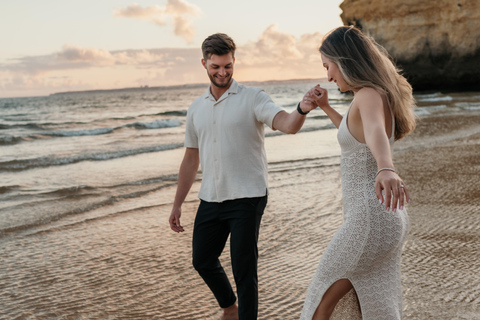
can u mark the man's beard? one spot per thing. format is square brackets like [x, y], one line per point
[219, 85]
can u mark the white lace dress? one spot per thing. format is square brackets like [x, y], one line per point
[367, 247]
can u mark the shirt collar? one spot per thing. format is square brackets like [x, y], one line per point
[233, 89]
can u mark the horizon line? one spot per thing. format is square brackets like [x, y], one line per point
[177, 86]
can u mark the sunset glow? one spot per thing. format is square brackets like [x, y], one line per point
[117, 44]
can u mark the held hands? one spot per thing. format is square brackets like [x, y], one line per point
[175, 220]
[395, 190]
[319, 96]
[307, 104]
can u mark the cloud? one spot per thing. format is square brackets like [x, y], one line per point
[78, 68]
[278, 44]
[177, 10]
[184, 28]
[279, 48]
[75, 57]
[76, 54]
[154, 13]
[101, 57]
[279, 55]
[275, 55]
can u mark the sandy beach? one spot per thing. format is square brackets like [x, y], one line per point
[441, 260]
[130, 265]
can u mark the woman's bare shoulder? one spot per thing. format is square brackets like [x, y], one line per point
[368, 97]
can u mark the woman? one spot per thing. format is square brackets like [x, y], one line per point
[361, 265]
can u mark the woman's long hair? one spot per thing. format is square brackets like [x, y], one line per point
[364, 63]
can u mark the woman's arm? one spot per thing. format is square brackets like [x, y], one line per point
[320, 96]
[372, 119]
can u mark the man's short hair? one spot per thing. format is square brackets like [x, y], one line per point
[219, 44]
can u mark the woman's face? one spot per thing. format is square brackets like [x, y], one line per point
[333, 74]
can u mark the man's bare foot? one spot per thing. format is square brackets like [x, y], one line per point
[230, 313]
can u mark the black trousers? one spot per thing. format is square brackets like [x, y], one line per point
[214, 222]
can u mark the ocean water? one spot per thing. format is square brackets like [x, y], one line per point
[68, 154]
[87, 182]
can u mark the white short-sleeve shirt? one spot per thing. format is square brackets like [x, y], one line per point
[229, 133]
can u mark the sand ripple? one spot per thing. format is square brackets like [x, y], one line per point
[129, 265]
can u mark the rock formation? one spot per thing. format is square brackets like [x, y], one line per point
[435, 43]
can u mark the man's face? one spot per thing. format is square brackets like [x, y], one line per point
[220, 69]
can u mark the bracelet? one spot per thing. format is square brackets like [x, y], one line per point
[300, 110]
[383, 169]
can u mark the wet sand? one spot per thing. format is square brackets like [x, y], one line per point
[129, 265]
[441, 259]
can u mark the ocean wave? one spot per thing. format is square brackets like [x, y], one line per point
[5, 189]
[178, 113]
[72, 191]
[49, 126]
[79, 203]
[78, 133]
[86, 190]
[468, 105]
[26, 164]
[434, 97]
[121, 118]
[422, 112]
[8, 104]
[425, 111]
[321, 116]
[427, 95]
[10, 140]
[28, 125]
[157, 124]
[94, 106]
[342, 99]
[40, 125]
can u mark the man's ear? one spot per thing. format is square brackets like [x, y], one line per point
[204, 63]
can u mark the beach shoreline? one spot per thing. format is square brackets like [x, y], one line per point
[130, 265]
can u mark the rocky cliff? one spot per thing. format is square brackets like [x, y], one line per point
[436, 43]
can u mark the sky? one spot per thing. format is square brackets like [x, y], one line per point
[55, 46]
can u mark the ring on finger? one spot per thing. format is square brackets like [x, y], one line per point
[401, 186]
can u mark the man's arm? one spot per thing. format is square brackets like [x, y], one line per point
[186, 177]
[292, 122]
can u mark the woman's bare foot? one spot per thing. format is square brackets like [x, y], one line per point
[230, 313]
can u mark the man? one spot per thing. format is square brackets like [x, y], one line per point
[225, 133]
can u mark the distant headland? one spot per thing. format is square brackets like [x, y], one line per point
[130, 89]
[186, 86]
